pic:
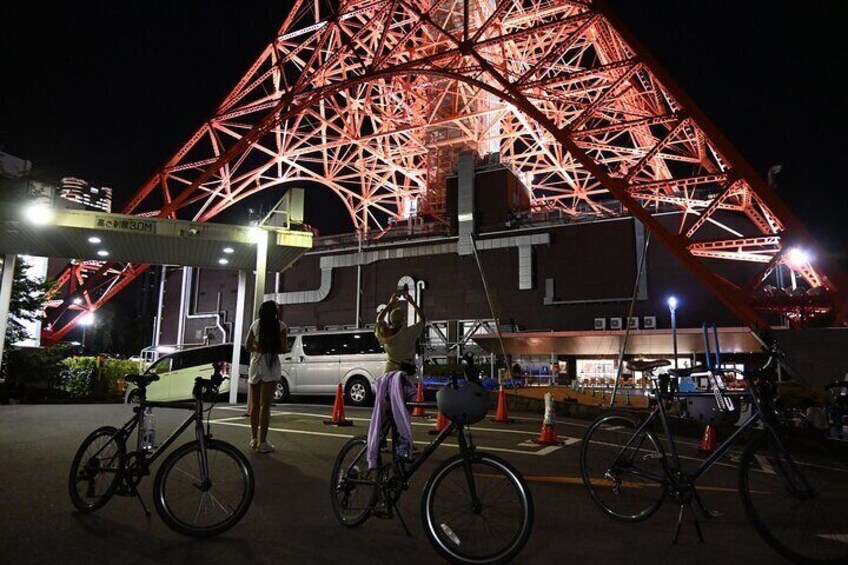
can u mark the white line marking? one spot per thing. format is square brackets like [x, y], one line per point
[230, 422]
[843, 538]
[764, 464]
[414, 422]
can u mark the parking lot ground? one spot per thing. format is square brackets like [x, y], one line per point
[291, 520]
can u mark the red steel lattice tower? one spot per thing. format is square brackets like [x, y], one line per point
[375, 98]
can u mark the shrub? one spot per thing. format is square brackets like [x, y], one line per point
[114, 371]
[83, 378]
[30, 369]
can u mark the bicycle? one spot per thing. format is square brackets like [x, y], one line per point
[475, 507]
[203, 488]
[793, 483]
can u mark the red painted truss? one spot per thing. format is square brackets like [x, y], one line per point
[374, 99]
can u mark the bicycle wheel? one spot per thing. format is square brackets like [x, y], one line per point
[353, 496]
[796, 496]
[96, 469]
[194, 507]
[492, 531]
[623, 472]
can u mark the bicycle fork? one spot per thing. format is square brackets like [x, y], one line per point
[468, 454]
[205, 482]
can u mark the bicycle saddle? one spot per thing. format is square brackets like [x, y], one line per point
[642, 365]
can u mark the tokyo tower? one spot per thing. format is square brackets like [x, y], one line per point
[375, 100]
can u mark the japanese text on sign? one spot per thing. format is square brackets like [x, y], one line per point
[126, 224]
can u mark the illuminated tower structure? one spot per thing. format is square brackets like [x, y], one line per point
[375, 99]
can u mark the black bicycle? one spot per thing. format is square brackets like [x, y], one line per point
[476, 508]
[203, 488]
[793, 483]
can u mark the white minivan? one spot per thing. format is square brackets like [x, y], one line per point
[318, 361]
[178, 370]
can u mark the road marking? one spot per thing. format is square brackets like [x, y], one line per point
[413, 422]
[843, 538]
[579, 481]
[764, 464]
[231, 422]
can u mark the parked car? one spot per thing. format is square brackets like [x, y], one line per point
[318, 361]
[178, 370]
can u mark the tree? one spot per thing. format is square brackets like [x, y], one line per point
[26, 304]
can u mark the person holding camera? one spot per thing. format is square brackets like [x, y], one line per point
[396, 337]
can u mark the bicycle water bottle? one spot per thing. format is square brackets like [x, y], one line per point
[148, 435]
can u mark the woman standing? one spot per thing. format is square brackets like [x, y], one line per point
[266, 341]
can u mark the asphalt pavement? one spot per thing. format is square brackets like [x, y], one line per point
[291, 519]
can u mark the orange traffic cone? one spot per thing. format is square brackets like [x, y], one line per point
[441, 424]
[708, 442]
[502, 415]
[548, 435]
[418, 411]
[338, 411]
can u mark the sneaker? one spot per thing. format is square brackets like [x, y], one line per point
[265, 447]
[254, 443]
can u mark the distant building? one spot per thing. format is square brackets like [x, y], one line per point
[79, 192]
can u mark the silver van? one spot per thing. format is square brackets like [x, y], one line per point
[318, 361]
[178, 370]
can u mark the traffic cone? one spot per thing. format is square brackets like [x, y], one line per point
[441, 424]
[338, 411]
[708, 442]
[548, 435]
[502, 415]
[418, 411]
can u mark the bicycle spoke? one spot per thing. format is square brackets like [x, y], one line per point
[203, 506]
[496, 525]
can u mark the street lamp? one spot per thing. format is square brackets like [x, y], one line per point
[39, 214]
[796, 259]
[672, 307]
[86, 320]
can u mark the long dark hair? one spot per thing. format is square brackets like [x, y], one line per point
[269, 328]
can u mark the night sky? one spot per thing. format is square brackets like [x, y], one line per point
[108, 91]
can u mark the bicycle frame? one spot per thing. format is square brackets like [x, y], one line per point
[759, 414]
[148, 458]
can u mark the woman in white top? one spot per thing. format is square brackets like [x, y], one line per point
[266, 341]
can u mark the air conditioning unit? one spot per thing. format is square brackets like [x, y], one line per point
[600, 323]
[650, 322]
[615, 323]
[634, 323]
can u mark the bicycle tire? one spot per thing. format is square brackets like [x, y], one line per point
[805, 527]
[622, 494]
[450, 520]
[341, 488]
[92, 469]
[230, 476]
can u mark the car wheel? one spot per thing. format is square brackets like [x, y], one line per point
[281, 393]
[358, 392]
[132, 397]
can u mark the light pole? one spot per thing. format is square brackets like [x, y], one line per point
[85, 321]
[672, 307]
